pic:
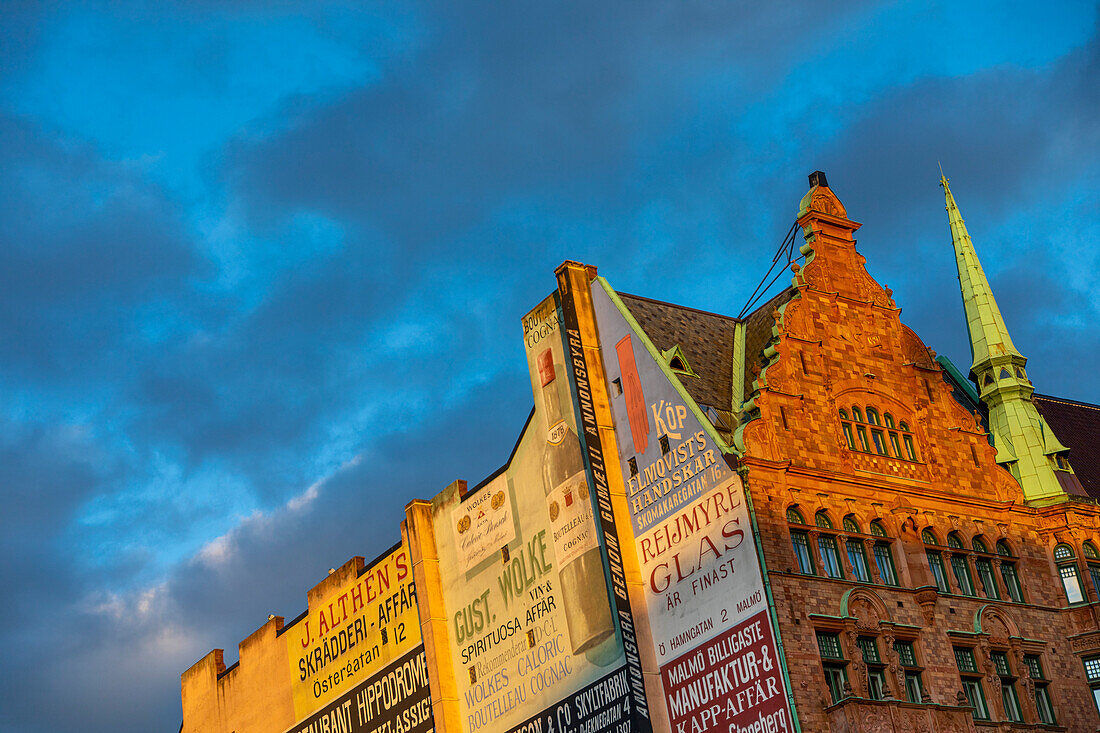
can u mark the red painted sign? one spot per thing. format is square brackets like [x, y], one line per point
[730, 683]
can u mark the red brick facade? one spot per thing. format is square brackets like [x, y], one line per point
[839, 344]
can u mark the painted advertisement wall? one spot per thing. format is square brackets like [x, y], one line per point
[535, 645]
[357, 660]
[712, 634]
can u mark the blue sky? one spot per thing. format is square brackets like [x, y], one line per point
[262, 264]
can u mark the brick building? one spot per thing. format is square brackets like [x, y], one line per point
[932, 555]
[922, 565]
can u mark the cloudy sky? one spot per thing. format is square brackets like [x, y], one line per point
[262, 264]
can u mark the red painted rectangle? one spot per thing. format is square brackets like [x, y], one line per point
[632, 391]
[732, 683]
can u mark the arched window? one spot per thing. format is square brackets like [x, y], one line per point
[1067, 569]
[1092, 561]
[935, 561]
[800, 541]
[827, 547]
[1008, 572]
[857, 554]
[907, 438]
[877, 434]
[960, 568]
[984, 565]
[883, 554]
[846, 427]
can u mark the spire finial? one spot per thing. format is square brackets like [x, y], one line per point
[1022, 438]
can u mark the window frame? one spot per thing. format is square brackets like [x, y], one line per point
[1042, 689]
[834, 667]
[971, 679]
[801, 536]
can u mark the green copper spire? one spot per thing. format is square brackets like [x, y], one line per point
[1025, 443]
[988, 335]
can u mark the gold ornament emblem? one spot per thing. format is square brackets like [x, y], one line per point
[555, 510]
[498, 500]
[464, 524]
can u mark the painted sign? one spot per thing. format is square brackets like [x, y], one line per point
[355, 639]
[712, 634]
[535, 645]
[396, 699]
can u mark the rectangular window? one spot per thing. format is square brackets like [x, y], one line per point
[1071, 583]
[972, 686]
[869, 648]
[986, 578]
[1000, 663]
[935, 562]
[1042, 692]
[884, 559]
[802, 552]
[1012, 581]
[894, 444]
[829, 645]
[830, 556]
[1044, 705]
[914, 689]
[857, 557]
[962, 575]
[835, 678]
[1092, 674]
[1034, 666]
[862, 433]
[876, 683]
[905, 653]
[1094, 576]
[1011, 702]
[964, 658]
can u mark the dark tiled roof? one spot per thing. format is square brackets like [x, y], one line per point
[705, 338]
[707, 341]
[1077, 425]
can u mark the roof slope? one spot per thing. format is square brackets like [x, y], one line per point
[1077, 425]
[707, 340]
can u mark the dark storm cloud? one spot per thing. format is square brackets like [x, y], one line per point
[86, 244]
[1008, 138]
[523, 99]
[667, 143]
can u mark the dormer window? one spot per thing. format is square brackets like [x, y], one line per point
[677, 362]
